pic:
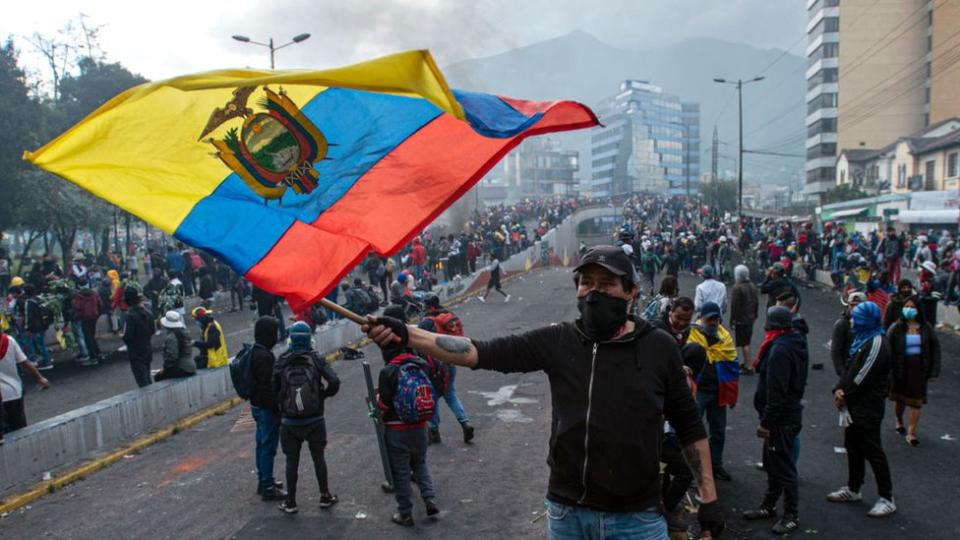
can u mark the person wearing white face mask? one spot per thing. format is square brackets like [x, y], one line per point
[915, 362]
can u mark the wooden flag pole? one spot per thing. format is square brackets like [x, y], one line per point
[342, 311]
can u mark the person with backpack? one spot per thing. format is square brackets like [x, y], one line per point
[441, 321]
[87, 306]
[626, 373]
[355, 299]
[177, 360]
[138, 328]
[212, 345]
[649, 265]
[265, 406]
[302, 380]
[406, 400]
[37, 319]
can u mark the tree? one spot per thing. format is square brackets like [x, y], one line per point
[720, 194]
[844, 192]
[19, 117]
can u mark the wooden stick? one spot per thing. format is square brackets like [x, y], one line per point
[342, 311]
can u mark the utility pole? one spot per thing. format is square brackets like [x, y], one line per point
[739, 84]
[714, 155]
[296, 39]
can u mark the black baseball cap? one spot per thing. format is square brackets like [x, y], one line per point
[610, 257]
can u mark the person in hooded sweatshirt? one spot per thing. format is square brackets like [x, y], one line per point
[265, 407]
[782, 368]
[138, 328]
[861, 393]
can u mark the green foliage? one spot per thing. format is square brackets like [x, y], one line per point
[19, 119]
[720, 194]
[843, 192]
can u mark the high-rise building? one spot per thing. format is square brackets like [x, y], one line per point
[540, 167]
[649, 141]
[877, 70]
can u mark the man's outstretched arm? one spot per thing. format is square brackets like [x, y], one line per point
[449, 349]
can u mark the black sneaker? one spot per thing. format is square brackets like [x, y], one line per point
[785, 525]
[759, 513]
[406, 521]
[261, 489]
[432, 509]
[288, 507]
[328, 500]
[434, 436]
[467, 432]
[721, 474]
[273, 494]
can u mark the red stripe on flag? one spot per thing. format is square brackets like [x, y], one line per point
[407, 189]
[305, 263]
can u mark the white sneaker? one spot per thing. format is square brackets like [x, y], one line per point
[482, 299]
[507, 299]
[882, 508]
[844, 494]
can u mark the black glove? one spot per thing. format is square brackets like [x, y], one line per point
[711, 519]
[398, 327]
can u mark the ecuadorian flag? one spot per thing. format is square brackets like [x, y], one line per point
[292, 177]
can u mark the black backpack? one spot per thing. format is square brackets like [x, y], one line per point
[300, 386]
[241, 373]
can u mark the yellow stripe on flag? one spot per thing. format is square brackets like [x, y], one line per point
[140, 150]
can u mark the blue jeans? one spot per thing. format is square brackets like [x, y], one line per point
[268, 436]
[77, 330]
[576, 523]
[452, 401]
[716, 425]
[407, 450]
[38, 348]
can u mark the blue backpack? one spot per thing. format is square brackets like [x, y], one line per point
[652, 311]
[414, 400]
[241, 373]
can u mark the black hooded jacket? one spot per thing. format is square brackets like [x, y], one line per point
[261, 363]
[609, 400]
[781, 382]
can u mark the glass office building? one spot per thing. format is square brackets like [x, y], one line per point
[649, 142]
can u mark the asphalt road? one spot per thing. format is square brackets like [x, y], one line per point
[199, 484]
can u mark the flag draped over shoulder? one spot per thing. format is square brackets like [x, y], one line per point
[292, 177]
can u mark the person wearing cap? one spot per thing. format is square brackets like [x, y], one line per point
[861, 393]
[212, 345]
[439, 320]
[605, 408]
[177, 358]
[709, 290]
[781, 367]
[718, 381]
[138, 328]
[842, 335]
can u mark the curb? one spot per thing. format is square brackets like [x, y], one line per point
[86, 469]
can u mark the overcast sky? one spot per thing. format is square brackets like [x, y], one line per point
[174, 37]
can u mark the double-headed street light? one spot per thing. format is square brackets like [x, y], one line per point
[296, 39]
[739, 83]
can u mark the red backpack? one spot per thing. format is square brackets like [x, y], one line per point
[447, 323]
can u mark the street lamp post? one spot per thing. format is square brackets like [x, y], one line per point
[739, 84]
[296, 39]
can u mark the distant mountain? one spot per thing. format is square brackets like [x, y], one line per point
[581, 67]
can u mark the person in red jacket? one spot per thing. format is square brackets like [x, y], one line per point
[418, 257]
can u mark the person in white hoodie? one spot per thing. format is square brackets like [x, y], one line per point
[710, 290]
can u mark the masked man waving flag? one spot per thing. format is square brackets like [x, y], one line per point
[613, 379]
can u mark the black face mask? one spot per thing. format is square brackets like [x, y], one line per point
[602, 315]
